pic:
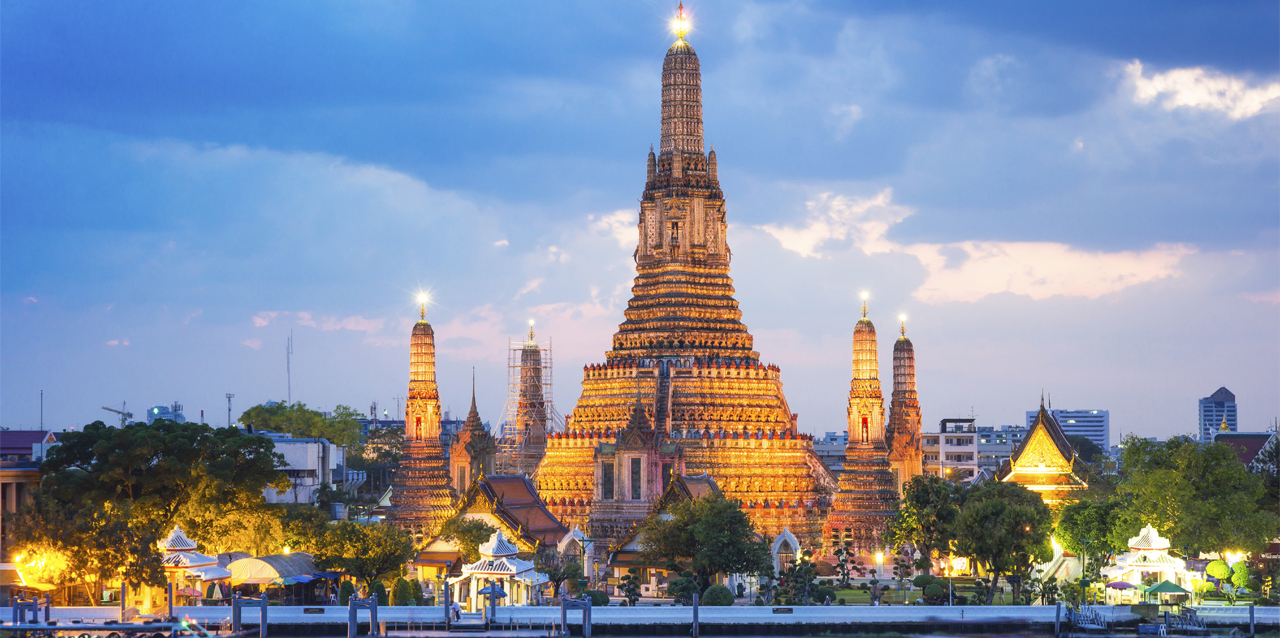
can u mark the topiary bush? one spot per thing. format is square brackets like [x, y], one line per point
[824, 593]
[717, 596]
[934, 590]
[379, 590]
[345, 591]
[1240, 574]
[402, 593]
[759, 601]
[922, 581]
[598, 598]
[1218, 569]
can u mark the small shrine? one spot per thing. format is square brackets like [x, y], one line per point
[499, 565]
[1148, 557]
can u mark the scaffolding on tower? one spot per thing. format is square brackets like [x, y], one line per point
[530, 413]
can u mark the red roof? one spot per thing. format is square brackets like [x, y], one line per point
[519, 503]
[1246, 444]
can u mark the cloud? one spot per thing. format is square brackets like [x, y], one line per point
[502, 242]
[1201, 89]
[30, 300]
[621, 224]
[532, 285]
[555, 254]
[1271, 297]
[304, 319]
[846, 115]
[118, 342]
[357, 323]
[583, 328]
[837, 218]
[478, 335]
[193, 315]
[256, 344]
[264, 318]
[971, 270]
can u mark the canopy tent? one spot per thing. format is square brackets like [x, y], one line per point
[1166, 587]
[264, 570]
[210, 572]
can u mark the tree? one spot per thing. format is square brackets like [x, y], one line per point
[342, 428]
[1198, 495]
[87, 545]
[1089, 451]
[1005, 528]
[378, 456]
[366, 552]
[684, 587]
[468, 534]
[1085, 529]
[557, 567]
[798, 581]
[926, 515]
[631, 586]
[712, 534]
[847, 563]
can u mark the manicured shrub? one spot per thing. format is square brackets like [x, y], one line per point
[1218, 569]
[823, 594]
[759, 601]
[402, 593]
[598, 598]
[934, 590]
[922, 581]
[345, 591]
[1240, 574]
[717, 596]
[380, 590]
[840, 601]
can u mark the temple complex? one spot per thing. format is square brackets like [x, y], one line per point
[868, 492]
[472, 452]
[903, 433]
[421, 497]
[1045, 462]
[682, 391]
[528, 411]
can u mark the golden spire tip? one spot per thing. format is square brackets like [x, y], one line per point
[681, 24]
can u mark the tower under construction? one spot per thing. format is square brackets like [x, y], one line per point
[530, 413]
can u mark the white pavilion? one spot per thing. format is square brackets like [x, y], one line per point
[1148, 555]
[498, 565]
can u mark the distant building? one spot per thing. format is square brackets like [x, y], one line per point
[1094, 425]
[1215, 410]
[996, 445]
[170, 412]
[309, 464]
[952, 452]
[21, 452]
[830, 448]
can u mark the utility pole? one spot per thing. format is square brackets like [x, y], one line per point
[288, 369]
[42, 410]
[229, 396]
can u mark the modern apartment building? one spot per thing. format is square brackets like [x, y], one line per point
[830, 448]
[953, 451]
[1094, 425]
[1214, 409]
[996, 444]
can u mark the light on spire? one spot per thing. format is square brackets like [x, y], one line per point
[903, 318]
[680, 25]
[423, 300]
[865, 294]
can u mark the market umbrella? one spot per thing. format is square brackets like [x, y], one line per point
[1120, 584]
[493, 590]
[1166, 587]
[284, 581]
[188, 591]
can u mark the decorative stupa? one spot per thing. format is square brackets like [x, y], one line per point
[421, 497]
[472, 452]
[903, 433]
[683, 359]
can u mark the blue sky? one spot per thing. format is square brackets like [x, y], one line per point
[1081, 198]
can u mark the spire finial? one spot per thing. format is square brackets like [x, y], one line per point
[531, 331]
[1223, 427]
[681, 24]
[864, 303]
[903, 328]
[423, 298]
[1041, 398]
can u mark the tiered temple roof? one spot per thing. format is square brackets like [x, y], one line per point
[1045, 462]
[684, 351]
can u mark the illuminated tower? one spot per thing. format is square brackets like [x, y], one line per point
[530, 413]
[421, 498]
[867, 495]
[682, 362]
[472, 453]
[903, 433]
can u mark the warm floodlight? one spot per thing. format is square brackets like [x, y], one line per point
[902, 317]
[680, 25]
[423, 297]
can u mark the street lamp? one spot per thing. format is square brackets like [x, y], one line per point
[880, 573]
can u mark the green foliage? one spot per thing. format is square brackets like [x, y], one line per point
[1005, 528]
[824, 594]
[1218, 569]
[631, 586]
[366, 552]
[798, 581]
[402, 593]
[684, 587]
[380, 590]
[1085, 527]
[935, 590]
[558, 567]
[345, 592]
[302, 422]
[1072, 593]
[716, 596]
[711, 534]
[1089, 451]
[469, 534]
[99, 544]
[922, 581]
[598, 598]
[1198, 495]
[378, 455]
[1240, 574]
[760, 601]
[926, 515]
[847, 564]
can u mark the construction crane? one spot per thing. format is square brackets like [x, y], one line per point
[124, 412]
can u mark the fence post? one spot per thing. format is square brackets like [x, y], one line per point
[695, 630]
[563, 615]
[351, 617]
[170, 595]
[124, 593]
[373, 616]
[1251, 633]
[262, 618]
[1057, 621]
[47, 605]
[586, 619]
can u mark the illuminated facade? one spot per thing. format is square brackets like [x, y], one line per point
[421, 497]
[1045, 462]
[903, 433]
[868, 492]
[472, 452]
[529, 411]
[682, 391]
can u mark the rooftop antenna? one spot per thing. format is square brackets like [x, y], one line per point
[229, 396]
[288, 368]
[42, 410]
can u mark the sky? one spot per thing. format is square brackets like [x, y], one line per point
[1079, 199]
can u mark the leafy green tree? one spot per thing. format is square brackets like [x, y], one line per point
[1198, 495]
[468, 534]
[1005, 528]
[798, 582]
[1086, 528]
[378, 456]
[380, 590]
[558, 567]
[1089, 451]
[366, 552]
[684, 587]
[712, 534]
[97, 543]
[926, 516]
[342, 428]
[1240, 574]
[631, 586]
[847, 563]
[402, 593]
[345, 592]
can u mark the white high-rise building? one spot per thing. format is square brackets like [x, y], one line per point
[1215, 409]
[1094, 425]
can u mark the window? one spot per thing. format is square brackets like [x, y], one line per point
[606, 481]
[786, 555]
[866, 431]
[635, 479]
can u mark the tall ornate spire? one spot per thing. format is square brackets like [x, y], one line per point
[422, 407]
[681, 98]
[903, 432]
